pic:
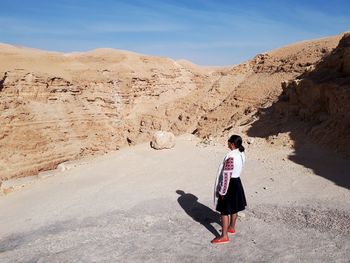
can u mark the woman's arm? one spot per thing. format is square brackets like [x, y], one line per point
[226, 176]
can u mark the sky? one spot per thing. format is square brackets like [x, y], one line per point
[206, 32]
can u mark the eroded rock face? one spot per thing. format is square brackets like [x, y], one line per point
[163, 140]
[256, 85]
[58, 107]
[55, 107]
[46, 121]
[322, 98]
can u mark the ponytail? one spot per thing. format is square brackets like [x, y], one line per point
[236, 140]
[241, 148]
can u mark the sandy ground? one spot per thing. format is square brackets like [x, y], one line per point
[128, 206]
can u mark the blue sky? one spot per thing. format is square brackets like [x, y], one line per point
[206, 32]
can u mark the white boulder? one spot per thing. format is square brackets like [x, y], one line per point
[163, 140]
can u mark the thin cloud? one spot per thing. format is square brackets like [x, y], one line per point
[23, 27]
[138, 28]
[207, 45]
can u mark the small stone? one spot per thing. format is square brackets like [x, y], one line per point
[62, 167]
[250, 140]
[265, 188]
[8, 190]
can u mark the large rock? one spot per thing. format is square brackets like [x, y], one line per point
[163, 140]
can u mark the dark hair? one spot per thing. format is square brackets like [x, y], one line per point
[236, 140]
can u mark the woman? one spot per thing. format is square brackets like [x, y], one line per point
[229, 193]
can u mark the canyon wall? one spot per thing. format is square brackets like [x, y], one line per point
[57, 107]
[260, 86]
[321, 99]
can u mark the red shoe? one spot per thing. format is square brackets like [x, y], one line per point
[220, 240]
[231, 231]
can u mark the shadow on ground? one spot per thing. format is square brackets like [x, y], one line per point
[199, 212]
[322, 160]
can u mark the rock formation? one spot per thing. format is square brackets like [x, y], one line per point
[256, 85]
[321, 98]
[57, 107]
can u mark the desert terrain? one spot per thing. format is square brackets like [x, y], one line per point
[142, 205]
[58, 107]
[79, 181]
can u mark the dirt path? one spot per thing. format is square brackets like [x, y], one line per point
[129, 206]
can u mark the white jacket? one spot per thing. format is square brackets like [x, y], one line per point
[231, 167]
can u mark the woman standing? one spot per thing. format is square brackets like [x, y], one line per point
[229, 193]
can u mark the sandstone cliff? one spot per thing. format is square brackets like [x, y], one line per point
[57, 107]
[320, 99]
[259, 84]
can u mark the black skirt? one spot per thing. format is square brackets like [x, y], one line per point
[234, 200]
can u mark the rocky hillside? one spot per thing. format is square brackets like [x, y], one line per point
[260, 85]
[319, 100]
[57, 107]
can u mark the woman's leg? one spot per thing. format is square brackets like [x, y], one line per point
[224, 219]
[233, 221]
[224, 236]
